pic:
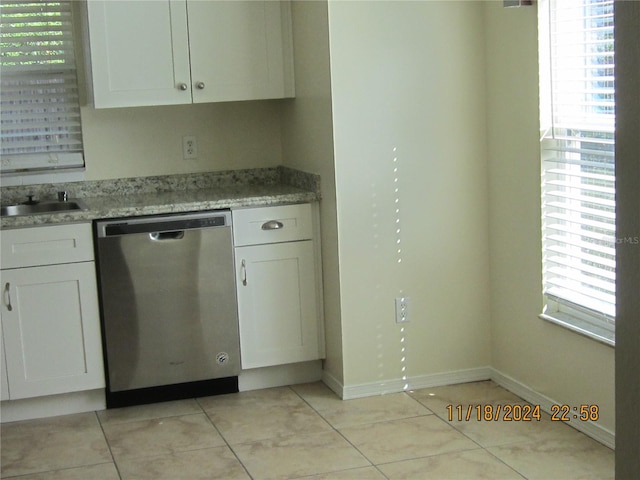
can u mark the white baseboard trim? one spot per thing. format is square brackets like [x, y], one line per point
[591, 429]
[280, 375]
[53, 405]
[399, 385]
[450, 378]
[333, 383]
[348, 392]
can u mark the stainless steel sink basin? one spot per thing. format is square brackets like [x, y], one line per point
[42, 207]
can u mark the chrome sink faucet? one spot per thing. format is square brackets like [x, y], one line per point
[30, 200]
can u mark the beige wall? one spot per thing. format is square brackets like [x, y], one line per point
[308, 145]
[408, 114]
[144, 141]
[553, 361]
[408, 76]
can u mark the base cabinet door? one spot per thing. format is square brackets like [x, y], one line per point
[277, 304]
[51, 329]
[4, 381]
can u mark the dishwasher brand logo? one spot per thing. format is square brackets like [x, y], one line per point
[222, 358]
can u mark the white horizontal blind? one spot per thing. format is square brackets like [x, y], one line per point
[39, 90]
[578, 182]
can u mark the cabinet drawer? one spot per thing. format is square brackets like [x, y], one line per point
[28, 247]
[257, 226]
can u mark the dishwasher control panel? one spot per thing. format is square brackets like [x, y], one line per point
[163, 223]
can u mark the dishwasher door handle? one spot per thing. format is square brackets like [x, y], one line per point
[160, 236]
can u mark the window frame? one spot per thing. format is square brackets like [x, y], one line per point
[568, 311]
[45, 167]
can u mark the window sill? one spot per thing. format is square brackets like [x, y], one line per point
[583, 327]
[42, 177]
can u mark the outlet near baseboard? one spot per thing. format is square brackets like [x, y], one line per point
[403, 309]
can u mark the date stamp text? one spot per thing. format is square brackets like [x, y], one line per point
[521, 413]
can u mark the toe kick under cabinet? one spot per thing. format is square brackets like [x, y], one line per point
[50, 316]
[278, 285]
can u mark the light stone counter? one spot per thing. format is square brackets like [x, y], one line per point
[172, 194]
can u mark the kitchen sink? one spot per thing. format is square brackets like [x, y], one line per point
[42, 207]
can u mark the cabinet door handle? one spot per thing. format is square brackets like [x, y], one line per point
[272, 225]
[243, 267]
[200, 85]
[7, 295]
[183, 86]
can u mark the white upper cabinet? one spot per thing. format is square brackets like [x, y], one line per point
[139, 53]
[164, 52]
[240, 50]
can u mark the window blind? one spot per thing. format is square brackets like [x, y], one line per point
[40, 121]
[578, 145]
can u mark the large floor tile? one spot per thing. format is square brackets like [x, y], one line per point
[208, 464]
[318, 395]
[162, 436]
[577, 459]
[261, 414]
[365, 473]
[303, 432]
[242, 425]
[281, 396]
[298, 455]
[484, 393]
[494, 433]
[360, 411]
[52, 444]
[103, 471]
[405, 439]
[473, 464]
[148, 412]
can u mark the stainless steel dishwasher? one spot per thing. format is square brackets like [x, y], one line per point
[168, 307]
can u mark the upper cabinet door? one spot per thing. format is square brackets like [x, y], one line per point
[164, 52]
[240, 50]
[139, 52]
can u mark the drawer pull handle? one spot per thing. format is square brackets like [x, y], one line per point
[243, 266]
[272, 225]
[7, 295]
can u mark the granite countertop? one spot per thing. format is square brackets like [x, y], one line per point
[175, 194]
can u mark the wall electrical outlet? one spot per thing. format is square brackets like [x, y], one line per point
[402, 309]
[189, 148]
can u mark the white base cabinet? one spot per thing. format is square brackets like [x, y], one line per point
[4, 381]
[50, 315]
[278, 286]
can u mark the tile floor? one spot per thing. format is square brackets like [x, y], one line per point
[303, 431]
